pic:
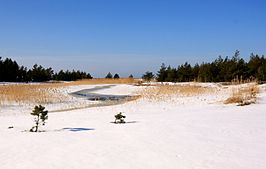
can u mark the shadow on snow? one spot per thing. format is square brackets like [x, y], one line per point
[76, 129]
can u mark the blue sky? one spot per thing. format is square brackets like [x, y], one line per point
[129, 36]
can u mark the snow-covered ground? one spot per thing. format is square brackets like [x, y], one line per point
[198, 132]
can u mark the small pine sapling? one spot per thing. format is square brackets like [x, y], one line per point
[120, 118]
[40, 116]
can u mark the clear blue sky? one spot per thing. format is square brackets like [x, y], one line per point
[129, 36]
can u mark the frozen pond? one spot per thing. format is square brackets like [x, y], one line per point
[90, 95]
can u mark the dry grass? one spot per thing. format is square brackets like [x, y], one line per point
[43, 93]
[243, 95]
[165, 91]
[31, 93]
[237, 81]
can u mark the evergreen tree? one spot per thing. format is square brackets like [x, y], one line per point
[171, 74]
[162, 74]
[116, 76]
[40, 74]
[256, 67]
[109, 76]
[195, 72]
[40, 117]
[9, 70]
[205, 73]
[89, 76]
[120, 118]
[148, 76]
[261, 75]
[184, 73]
[71, 76]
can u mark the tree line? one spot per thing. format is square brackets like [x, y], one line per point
[220, 70]
[10, 71]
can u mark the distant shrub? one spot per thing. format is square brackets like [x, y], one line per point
[120, 118]
[41, 116]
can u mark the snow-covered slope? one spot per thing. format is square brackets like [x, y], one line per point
[159, 134]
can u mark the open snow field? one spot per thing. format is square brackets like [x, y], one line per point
[187, 132]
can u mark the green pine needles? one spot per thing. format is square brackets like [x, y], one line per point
[120, 118]
[41, 116]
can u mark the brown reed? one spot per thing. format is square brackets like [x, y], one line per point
[44, 93]
[243, 95]
[164, 91]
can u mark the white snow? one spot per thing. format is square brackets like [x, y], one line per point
[189, 133]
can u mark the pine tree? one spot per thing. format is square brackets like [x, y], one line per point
[148, 76]
[109, 76]
[40, 118]
[162, 74]
[120, 118]
[89, 76]
[116, 76]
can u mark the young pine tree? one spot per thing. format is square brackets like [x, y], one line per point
[120, 118]
[40, 116]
